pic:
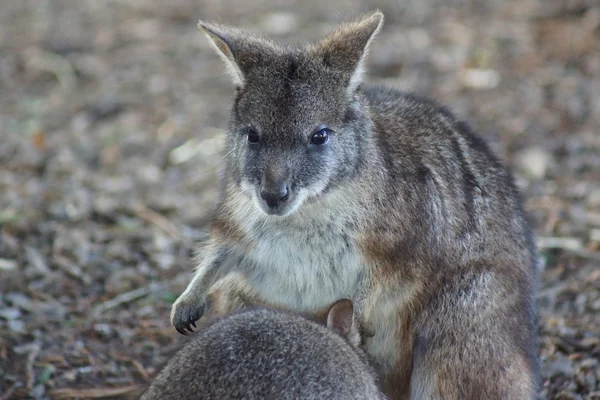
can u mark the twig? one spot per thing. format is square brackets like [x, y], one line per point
[71, 269]
[587, 254]
[154, 218]
[90, 357]
[3, 351]
[566, 243]
[10, 391]
[7, 265]
[570, 244]
[127, 297]
[95, 393]
[30, 376]
[54, 63]
[140, 368]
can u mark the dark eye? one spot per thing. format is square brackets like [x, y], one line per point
[253, 137]
[321, 137]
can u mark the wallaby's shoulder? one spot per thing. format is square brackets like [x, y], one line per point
[387, 99]
[426, 131]
[410, 109]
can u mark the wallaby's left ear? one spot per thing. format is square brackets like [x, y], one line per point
[345, 49]
[341, 319]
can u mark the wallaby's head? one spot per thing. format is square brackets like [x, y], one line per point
[297, 123]
[265, 353]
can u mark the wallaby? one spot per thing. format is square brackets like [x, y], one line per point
[336, 189]
[267, 354]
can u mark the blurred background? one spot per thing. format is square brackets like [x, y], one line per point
[111, 128]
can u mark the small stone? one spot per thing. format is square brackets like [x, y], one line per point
[7, 265]
[122, 281]
[158, 84]
[145, 311]
[21, 301]
[38, 391]
[589, 363]
[534, 162]
[419, 38]
[279, 23]
[593, 199]
[149, 174]
[477, 78]
[164, 261]
[16, 325]
[10, 313]
[147, 29]
[557, 367]
[70, 376]
[105, 205]
[206, 148]
[81, 122]
[37, 261]
[103, 329]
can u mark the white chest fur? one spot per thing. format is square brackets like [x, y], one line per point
[308, 261]
[301, 262]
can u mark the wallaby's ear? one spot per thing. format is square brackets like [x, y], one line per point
[219, 39]
[239, 50]
[345, 49]
[341, 319]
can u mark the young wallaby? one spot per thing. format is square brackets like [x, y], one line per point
[336, 189]
[267, 354]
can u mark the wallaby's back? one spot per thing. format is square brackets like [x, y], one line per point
[265, 354]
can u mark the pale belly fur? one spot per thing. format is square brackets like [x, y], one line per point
[303, 271]
[306, 264]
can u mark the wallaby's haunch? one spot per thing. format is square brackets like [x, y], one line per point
[336, 189]
[266, 354]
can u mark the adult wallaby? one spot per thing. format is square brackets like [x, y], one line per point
[267, 354]
[334, 189]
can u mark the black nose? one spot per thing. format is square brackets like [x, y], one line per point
[275, 194]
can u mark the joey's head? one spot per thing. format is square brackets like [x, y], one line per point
[298, 124]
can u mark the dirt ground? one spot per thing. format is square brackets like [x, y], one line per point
[111, 127]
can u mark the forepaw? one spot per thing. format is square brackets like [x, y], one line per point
[185, 313]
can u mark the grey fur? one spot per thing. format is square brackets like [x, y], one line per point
[266, 354]
[405, 210]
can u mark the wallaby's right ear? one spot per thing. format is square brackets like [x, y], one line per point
[341, 319]
[221, 42]
[239, 50]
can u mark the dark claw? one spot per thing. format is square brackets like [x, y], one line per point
[185, 319]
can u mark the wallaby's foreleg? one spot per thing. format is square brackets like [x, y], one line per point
[189, 307]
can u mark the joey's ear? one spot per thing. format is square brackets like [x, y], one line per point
[239, 50]
[345, 49]
[341, 319]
